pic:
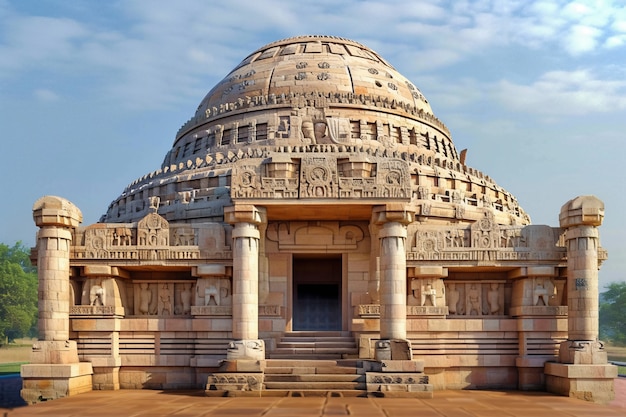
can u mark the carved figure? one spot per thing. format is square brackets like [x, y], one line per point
[453, 298]
[493, 298]
[541, 293]
[166, 301]
[429, 294]
[474, 301]
[122, 236]
[185, 298]
[145, 298]
[96, 295]
[211, 292]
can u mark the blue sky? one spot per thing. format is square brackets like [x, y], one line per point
[92, 92]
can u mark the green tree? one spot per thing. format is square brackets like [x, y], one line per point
[18, 293]
[613, 313]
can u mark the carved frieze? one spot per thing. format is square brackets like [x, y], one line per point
[485, 240]
[475, 298]
[316, 235]
[318, 177]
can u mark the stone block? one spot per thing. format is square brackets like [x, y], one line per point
[242, 365]
[413, 366]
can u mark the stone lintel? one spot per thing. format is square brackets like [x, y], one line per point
[532, 271]
[585, 210]
[56, 211]
[429, 271]
[393, 212]
[244, 213]
[209, 270]
[104, 271]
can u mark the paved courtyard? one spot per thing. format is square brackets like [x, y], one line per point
[445, 403]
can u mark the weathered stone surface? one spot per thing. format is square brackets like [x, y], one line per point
[316, 152]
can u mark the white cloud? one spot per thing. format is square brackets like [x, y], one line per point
[45, 95]
[563, 93]
[581, 39]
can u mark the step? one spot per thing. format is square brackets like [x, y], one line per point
[321, 344]
[313, 363]
[299, 370]
[306, 356]
[310, 350]
[318, 339]
[314, 378]
[316, 385]
[314, 333]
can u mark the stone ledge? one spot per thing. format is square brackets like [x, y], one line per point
[581, 371]
[40, 371]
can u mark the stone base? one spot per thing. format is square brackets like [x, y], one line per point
[398, 384]
[42, 382]
[386, 350]
[592, 383]
[531, 376]
[235, 381]
[246, 349]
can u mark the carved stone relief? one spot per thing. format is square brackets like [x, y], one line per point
[146, 299]
[316, 235]
[426, 292]
[475, 298]
[213, 292]
[318, 177]
[153, 230]
[484, 240]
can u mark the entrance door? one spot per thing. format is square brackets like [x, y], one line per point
[317, 293]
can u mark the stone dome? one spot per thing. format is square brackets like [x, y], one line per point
[316, 119]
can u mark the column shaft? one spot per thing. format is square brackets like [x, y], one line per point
[245, 281]
[582, 283]
[53, 269]
[393, 281]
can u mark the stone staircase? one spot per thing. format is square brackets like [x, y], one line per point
[314, 378]
[309, 345]
[318, 364]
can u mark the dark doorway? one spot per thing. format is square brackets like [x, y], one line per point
[317, 293]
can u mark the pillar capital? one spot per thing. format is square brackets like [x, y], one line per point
[393, 212]
[56, 211]
[245, 213]
[587, 210]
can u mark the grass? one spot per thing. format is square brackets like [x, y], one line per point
[14, 354]
[10, 368]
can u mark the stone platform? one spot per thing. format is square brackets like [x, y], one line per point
[445, 403]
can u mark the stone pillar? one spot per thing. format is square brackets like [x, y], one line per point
[54, 370]
[246, 219]
[582, 242]
[393, 219]
[55, 218]
[583, 371]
